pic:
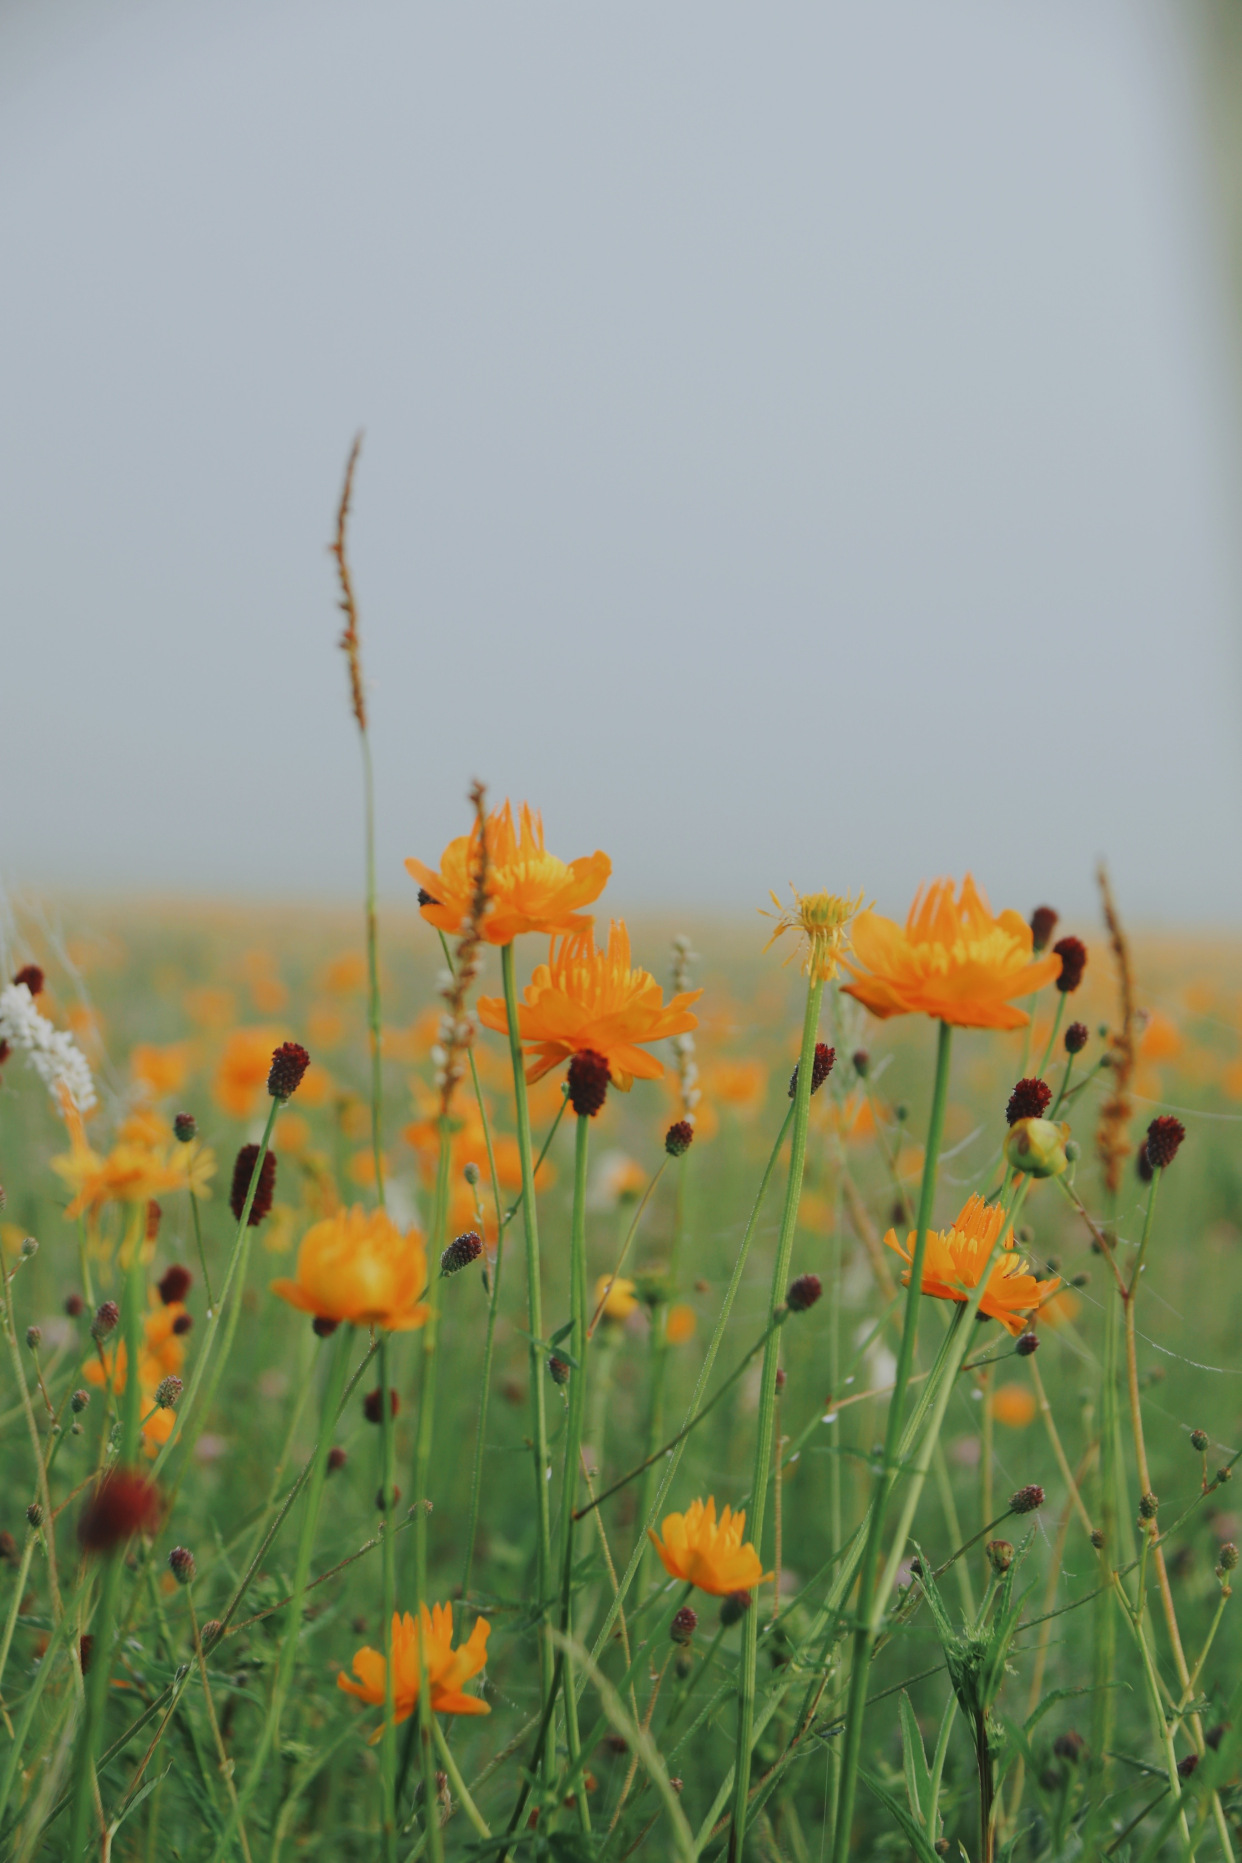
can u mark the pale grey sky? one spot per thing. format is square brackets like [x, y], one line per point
[800, 443]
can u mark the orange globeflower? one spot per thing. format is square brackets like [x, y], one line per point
[588, 1001]
[528, 889]
[447, 1668]
[953, 961]
[358, 1267]
[241, 1077]
[955, 1258]
[709, 1553]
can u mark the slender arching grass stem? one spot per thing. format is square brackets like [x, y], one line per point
[236, 1271]
[457, 1783]
[1053, 1032]
[534, 1309]
[864, 1637]
[422, 1469]
[767, 1406]
[202, 1253]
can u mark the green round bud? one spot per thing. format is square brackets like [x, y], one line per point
[1036, 1147]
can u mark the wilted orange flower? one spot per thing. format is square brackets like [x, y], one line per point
[447, 1668]
[240, 1081]
[528, 889]
[709, 1553]
[953, 961]
[584, 1000]
[821, 921]
[955, 1258]
[358, 1267]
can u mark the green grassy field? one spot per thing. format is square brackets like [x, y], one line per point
[160, 998]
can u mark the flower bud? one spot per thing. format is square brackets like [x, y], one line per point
[461, 1252]
[107, 1313]
[289, 1063]
[34, 1514]
[74, 1304]
[1073, 955]
[337, 1458]
[1036, 1147]
[1097, 1539]
[679, 1138]
[1043, 924]
[684, 1625]
[1026, 1500]
[1077, 1036]
[558, 1370]
[34, 1337]
[29, 1247]
[734, 1607]
[1199, 1440]
[210, 1632]
[588, 1082]
[1229, 1556]
[181, 1565]
[168, 1391]
[803, 1293]
[1000, 1555]
[1025, 1344]
[1149, 1506]
[1164, 1138]
[862, 1063]
[373, 1405]
[79, 1401]
[471, 1173]
[185, 1125]
[1069, 1746]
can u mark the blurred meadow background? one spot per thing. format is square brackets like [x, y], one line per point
[798, 444]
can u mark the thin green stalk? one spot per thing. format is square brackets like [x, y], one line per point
[659, 1368]
[864, 1636]
[422, 1470]
[388, 1738]
[1055, 1031]
[534, 1310]
[493, 1308]
[337, 1368]
[573, 1444]
[457, 1783]
[374, 1024]
[767, 1409]
[236, 1271]
[202, 1253]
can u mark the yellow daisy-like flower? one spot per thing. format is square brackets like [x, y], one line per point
[821, 922]
[528, 889]
[954, 1260]
[707, 1552]
[447, 1668]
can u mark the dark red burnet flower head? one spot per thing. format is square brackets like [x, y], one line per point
[588, 1082]
[1073, 955]
[32, 976]
[1043, 924]
[243, 1169]
[1077, 1036]
[1142, 1165]
[289, 1062]
[1030, 1099]
[1163, 1141]
[123, 1503]
[821, 1067]
[461, 1251]
[174, 1284]
[679, 1138]
[373, 1404]
[185, 1125]
[803, 1293]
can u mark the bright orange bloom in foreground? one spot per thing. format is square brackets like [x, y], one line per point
[447, 1668]
[589, 1000]
[708, 1552]
[357, 1266]
[953, 961]
[528, 889]
[955, 1258]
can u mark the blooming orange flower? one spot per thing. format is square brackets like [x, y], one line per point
[358, 1267]
[681, 1324]
[134, 1171]
[1013, 1405]
[528, 889]
[241, 1077]
[447, 1668]
[955, 1258]
[709, 1553]
[953, 961]
[584, 1000]
[160, 1070]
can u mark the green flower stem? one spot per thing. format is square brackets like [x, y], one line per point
[659, 1368]
[84, 1263]
[493, 1308]
[19, 1592]
[1055, 1031]
[388, 1739]
[705, 1372]
[1159, 1721]
[236, 1271]
[338, 1366]
[457, 1783]
[202, 1253]
[373, 985]
[534, 1313]
[767, 1410]
[864, 1636]
[573, 1445]
[422, 1472]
